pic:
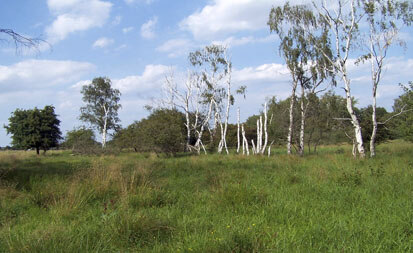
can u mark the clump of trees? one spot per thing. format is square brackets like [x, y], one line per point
[80, 140]
[34, 128]
[163, 131]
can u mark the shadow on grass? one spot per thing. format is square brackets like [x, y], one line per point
[21, 172]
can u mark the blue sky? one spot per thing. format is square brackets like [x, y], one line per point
[137, 42]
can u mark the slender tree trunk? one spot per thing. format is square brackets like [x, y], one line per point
[37, 150]
[375, 75]
[238, 132]
[105, 125]
[301, 148]
[265, 129]
[188, 129]
[245, 141]
[260, 139]
[229, 72]
[291, 125]
[374, 120]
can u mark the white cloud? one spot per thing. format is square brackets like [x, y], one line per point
[227, 16]
[141, 1]
[223, 17]
[150, 80]
[103, 42]
[176, 47]
[148, 29]
[233, 41]
[127, 29]
[32, 74]
[269, 73]
[75, 15]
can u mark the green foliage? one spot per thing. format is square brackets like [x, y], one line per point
[80, 140]
[383, 132]
[403, 124]
[34, 128]
[163, 131]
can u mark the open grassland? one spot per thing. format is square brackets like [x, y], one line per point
[143, 203]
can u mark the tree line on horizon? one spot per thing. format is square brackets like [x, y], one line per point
[316, 44]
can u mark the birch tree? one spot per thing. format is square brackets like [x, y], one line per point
[385, 19]
[307, 66]
[214, 66]
[182, 98]
[340, 26]
[102, 105]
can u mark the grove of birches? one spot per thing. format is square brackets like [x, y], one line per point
[193, 113]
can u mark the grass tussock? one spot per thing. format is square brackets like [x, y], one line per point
[148, 203]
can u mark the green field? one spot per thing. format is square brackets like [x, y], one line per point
[132, 202]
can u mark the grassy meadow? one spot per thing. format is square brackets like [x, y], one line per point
[132, 202]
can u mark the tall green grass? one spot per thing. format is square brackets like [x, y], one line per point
[216, 203]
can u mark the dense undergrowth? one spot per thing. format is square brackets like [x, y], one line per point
[143, 203]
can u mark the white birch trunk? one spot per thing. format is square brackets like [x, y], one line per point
[265, 129]
[105, 124]
[199, 140]
[374, 118]
[301, 148]
[238, 137]
[244, 142]
[253, 147]
[354, 120]
[291, 124]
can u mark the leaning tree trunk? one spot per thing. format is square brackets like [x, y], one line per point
[199, 143]
[291, 125]
[354, 120]
[265, 129]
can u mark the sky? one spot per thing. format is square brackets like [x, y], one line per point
[137, 42]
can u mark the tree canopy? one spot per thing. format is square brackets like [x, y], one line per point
[34, 128]
[102, 105]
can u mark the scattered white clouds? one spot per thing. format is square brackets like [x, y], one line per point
[75, 15]
[148, 29]
[34, 74]
[176, 47]
[127, 29]
[103, 42]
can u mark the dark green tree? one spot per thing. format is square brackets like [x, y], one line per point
[102, 105]
[34, 128]
[80, 140]
[163, 131]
